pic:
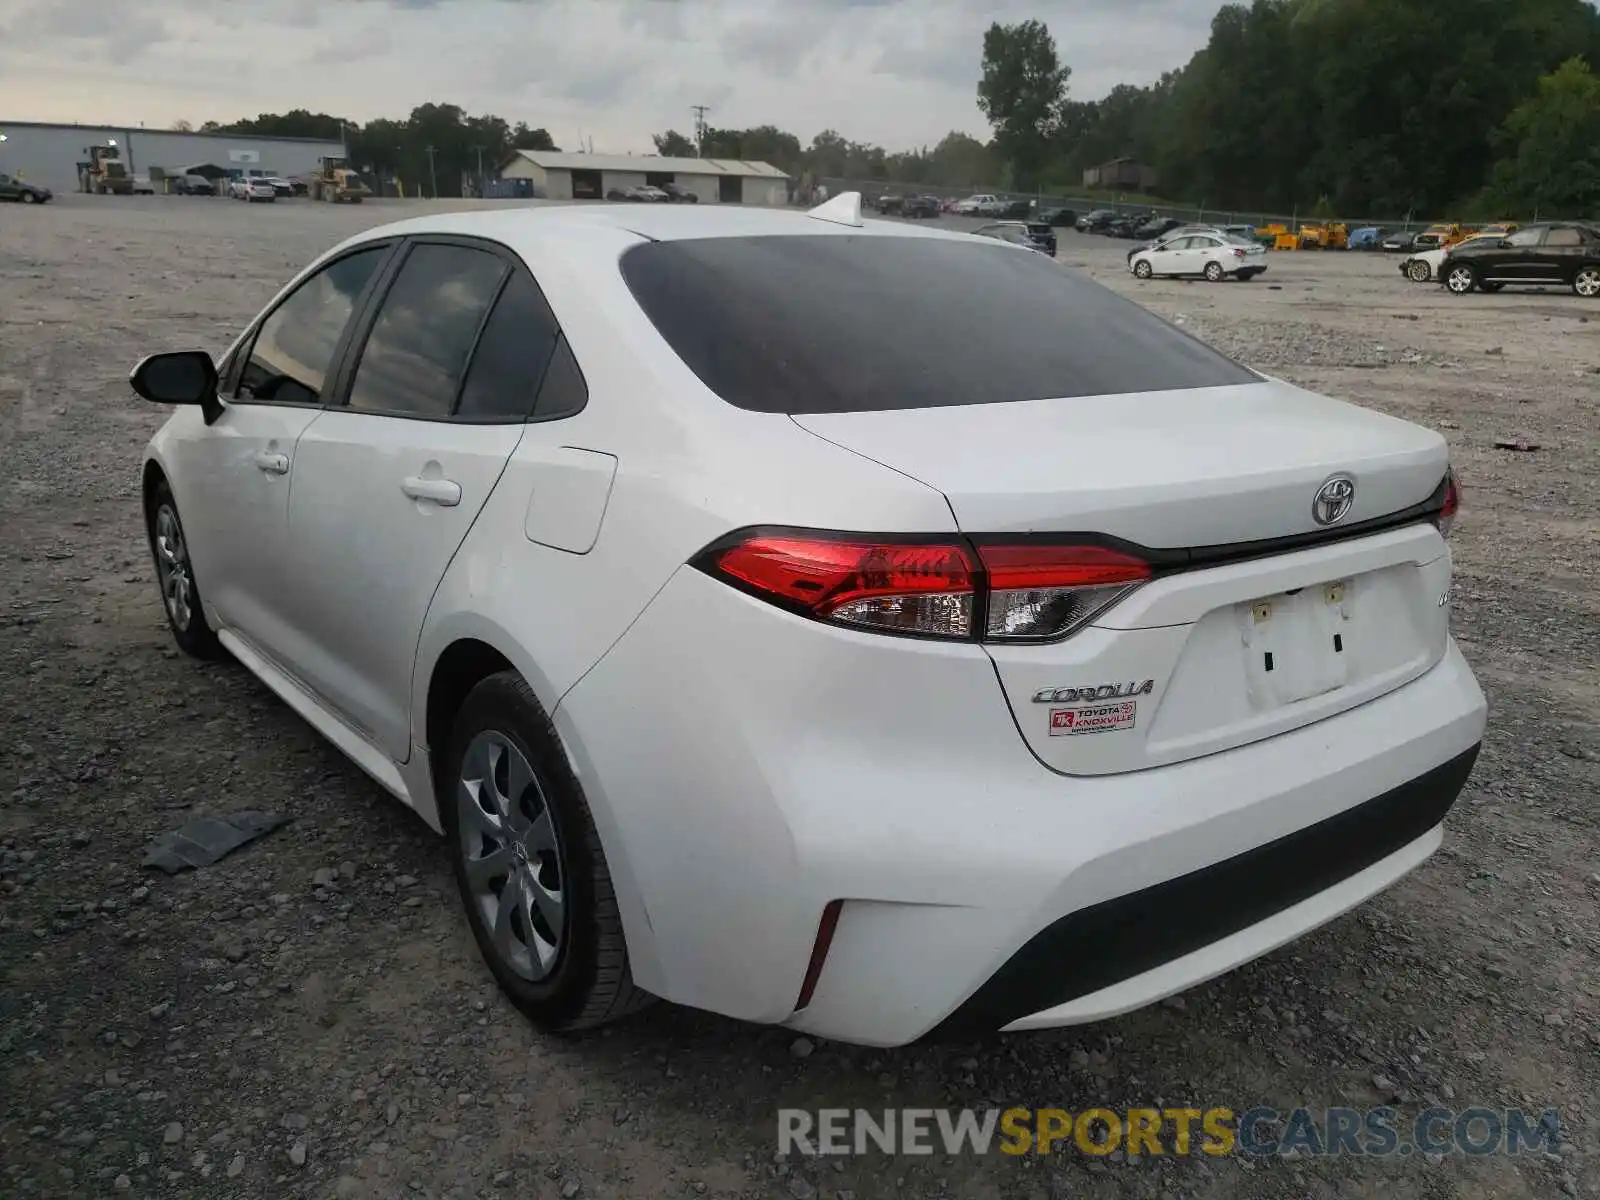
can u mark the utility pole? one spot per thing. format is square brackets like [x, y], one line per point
[433, 179]
[481, 180]
[700, 111]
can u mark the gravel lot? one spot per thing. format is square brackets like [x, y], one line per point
[309, 1017]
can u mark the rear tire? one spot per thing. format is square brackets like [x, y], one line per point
[1586, 283]
[1214, 272]
[1461, 279]
[529, 865]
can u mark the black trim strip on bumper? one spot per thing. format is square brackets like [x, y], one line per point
[1128, 935]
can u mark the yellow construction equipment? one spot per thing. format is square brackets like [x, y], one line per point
[105, 174]
[334, 181]
[1324, 237]
[1277, 236]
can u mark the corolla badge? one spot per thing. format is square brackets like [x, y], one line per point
[1334, 500]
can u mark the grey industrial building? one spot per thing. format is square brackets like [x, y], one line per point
[49, 154]
[564, 176]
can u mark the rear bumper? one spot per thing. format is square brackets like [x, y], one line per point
[747, 767]
[1137, 947]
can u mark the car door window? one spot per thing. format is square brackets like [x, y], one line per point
[295, 347]
[564, 391]
[1563, 237]
[509, 363]
[1524, 238]
[416, 354]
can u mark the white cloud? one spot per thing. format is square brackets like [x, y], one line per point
[898, 73]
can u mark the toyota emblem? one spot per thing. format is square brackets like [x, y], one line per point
[1334, 500]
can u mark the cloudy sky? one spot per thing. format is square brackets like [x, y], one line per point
[898, 73]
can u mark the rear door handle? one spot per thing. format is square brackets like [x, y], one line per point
[273, 464]
[444, 492]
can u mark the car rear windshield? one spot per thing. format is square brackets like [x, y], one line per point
[862, 323]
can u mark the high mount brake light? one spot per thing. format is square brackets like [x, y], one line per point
[1452, 502]
[935, 587]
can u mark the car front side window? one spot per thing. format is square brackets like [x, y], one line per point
[295, 348]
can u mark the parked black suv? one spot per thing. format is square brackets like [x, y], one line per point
[22, 191]
[1536, 255]
[920, 207]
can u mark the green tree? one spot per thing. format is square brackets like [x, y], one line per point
[1553, 144]
[1021, 92]
[673, 144]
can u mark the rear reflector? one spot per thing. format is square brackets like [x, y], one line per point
[819, 952]
[938, 587]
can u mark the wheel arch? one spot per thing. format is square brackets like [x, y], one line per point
[473, 651]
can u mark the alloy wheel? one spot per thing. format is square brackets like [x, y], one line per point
[512, 853]
[1419, 272]
[1587, 284]
[172, 568]
[1460, 281]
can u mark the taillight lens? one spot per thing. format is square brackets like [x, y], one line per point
[1039, 592]
[942, 588]
[1452, 501]
[922, 588]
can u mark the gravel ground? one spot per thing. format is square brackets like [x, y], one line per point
[309, 1018]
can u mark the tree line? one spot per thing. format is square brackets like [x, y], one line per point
[1382, 108]
[1364, 107]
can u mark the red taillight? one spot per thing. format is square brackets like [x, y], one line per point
[938, 587]
[1043, 591]
[1452, 501]
[1238, 253]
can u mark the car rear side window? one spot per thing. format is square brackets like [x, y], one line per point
[511, 357]
[425, 330]
[1563, 237]
[294, 349]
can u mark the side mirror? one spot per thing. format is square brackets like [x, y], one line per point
[179, 377]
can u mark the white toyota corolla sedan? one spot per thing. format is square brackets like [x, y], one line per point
[864, 628]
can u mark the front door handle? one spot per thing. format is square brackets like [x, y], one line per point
[273, 464]
[444, 492]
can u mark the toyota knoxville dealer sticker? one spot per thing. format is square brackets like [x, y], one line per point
[1104, 718]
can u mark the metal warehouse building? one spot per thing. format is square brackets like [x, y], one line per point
[591, 176]
[49, 154]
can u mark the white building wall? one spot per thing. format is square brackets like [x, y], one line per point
[49, 154]
[556, 185]
[768, 192]
[704, 187]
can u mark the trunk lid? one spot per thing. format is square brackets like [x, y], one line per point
[1203, 657]
[1173, 469]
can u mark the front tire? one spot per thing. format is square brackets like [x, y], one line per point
[529, 865]
[1419, 272]
[1586, 283]
[1214, 272]
[1142, 269]
[29, 198]
[1461, 279]
[180, 594]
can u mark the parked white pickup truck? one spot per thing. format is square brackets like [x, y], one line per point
[977, 206]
